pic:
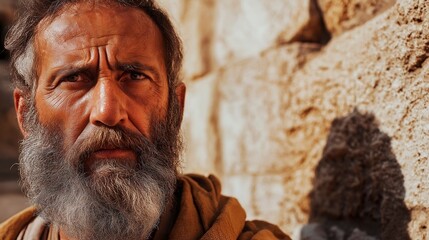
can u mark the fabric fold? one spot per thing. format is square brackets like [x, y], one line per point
[203, 213]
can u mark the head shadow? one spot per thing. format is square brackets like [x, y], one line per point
[358, 189]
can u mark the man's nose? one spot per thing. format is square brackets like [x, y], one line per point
[108, 104]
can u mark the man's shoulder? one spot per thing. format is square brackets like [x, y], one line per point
[196, 181]
[11, 228]
[221, 216]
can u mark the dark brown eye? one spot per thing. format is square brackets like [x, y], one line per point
[137, 76]
[72, 78]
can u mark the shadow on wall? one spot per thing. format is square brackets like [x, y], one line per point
[358, 190]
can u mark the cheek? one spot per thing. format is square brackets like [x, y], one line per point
[147, 106]
[66, 112]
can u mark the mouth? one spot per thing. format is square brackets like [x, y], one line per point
[108, 154]
[113, 153]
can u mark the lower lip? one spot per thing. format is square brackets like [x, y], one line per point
[128, 157]
[114, 154]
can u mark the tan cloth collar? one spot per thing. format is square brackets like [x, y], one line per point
[39, 229]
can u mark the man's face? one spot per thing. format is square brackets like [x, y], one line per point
[100, 66]
[100, 159]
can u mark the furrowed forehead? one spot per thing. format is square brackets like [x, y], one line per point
[118, 14]
[74, 8]
[42, 12]
[86, 19]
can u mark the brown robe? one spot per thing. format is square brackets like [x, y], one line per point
[203, 213]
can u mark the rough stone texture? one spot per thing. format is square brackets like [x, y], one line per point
[201, 155]
[271, 112]
[261, 25]
[255, 95]
[343, 15]
[241, 187]
[385, 72]
[217, 33]
[194, 20]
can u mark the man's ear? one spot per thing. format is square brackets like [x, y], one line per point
[180, 94]
[20, 108]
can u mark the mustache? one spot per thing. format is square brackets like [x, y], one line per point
[111, 138]
[113, 206]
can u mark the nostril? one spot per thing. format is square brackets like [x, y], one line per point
[108, 104]
[108, 114]
[107, 118]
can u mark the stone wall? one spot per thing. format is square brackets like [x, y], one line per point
[266, 79]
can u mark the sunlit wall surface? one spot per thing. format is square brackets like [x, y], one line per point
[265, 81]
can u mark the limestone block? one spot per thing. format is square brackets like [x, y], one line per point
[271, 113]
[404, 98]
[218, 33]
[199, 127]
[269, 198]
[241, 187]
[382, 66]
[254, 114]
[262, 196]
[194, 21]
[245, 28]
[272, 122]
[275, 111]
[419, 225]
[343, 15]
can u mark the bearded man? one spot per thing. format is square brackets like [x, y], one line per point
[99, 102]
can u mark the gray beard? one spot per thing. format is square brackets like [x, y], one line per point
[123, 202]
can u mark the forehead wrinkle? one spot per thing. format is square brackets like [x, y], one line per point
[64, 29]
[79, 62]
[76, 9]
[86, 48]
[93, 5]
[67, 29]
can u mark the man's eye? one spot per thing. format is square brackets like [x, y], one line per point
[72, 78]
[137, 76]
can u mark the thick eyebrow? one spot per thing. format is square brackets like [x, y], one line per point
[53, 77]
[136, 66]
[72, 70]
[68, 70]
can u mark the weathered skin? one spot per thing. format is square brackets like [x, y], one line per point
[110, 72]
